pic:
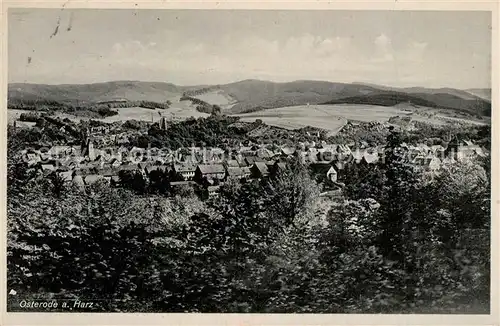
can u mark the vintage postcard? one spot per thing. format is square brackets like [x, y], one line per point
[250, 163]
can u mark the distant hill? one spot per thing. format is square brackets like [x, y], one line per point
[439, 100]
[253, 95]
[484, 93]
[465, 94]
[94, 93]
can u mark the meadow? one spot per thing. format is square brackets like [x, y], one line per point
[217, 98]
[178, 111]
[330, 117]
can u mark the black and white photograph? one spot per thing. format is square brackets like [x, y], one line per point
[249, 161]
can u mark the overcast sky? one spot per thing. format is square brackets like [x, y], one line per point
[432, 49]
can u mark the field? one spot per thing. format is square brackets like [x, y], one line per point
[217, 98]
[330, 117]
[13, 115]
[178, 111]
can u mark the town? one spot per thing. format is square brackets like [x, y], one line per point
[103, 156]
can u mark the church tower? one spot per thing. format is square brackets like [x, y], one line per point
[163, 123]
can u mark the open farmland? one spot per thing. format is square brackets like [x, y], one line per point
[178, 111]
[217, 98]
[13, 115]
[329, 117]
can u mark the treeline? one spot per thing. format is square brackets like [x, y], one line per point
[29, 117]
[38, 104]
[384, 99]
[199, 91]
[194, 100]
[477, 107]
[212, 131]
[103, 108]
[218, 131]
[202, 106]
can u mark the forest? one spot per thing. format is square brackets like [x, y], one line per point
[395, 243]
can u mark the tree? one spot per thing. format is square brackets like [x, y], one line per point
[290, 194]
[69, 248]
[57, 184]
[216, 110]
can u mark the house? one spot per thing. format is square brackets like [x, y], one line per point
[47, 168]
[324, 172]
[339, 165]
[108, 172]
[186, 170]
[369, 158]
[114, 180]
[277, 167]
[92, 178]
[287, 151]
[241, 161]
[217, 154]
[429, 163]
[164, 168]
[325, 156]
[264, 153]
[235, 172]
[468, 143]
[66, 176]
[212, 190]
[78, 182]
[58, 151]
[232, 164]
[331, 174]
[150, 168]
[259, 170]
[480, 151]
[156, 159]
[270, 163]
[343, 152]
[128, 167]
[180, 184]
[355, 156]
[434, 164]
[31, 158]
[210, 171]
[114, 162]
[468, 152]
[437, 149]
[250, 160]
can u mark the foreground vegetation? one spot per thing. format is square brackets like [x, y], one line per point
[396, 245]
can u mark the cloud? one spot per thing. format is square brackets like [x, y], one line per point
[304, 56]
[383, 41]
[383, 49]
[415, 51]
